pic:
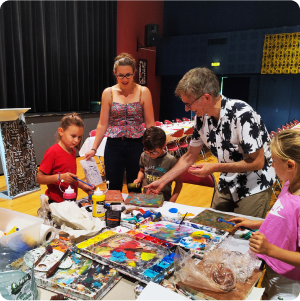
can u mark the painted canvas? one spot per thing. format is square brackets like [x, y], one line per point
[209, 218]
[82, 279]
[113, 196]
[144, 200]
[197, 240]
[134, 257]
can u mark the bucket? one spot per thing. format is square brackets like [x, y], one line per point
[17, 280]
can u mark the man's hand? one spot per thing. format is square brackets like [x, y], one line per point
[155, 187]
[202, 170]
[137, 181]
[259, 244]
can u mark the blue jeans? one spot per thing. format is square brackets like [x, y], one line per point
[120, 155]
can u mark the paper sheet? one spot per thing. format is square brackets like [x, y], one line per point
[91, 171]
[154, 291]
[255, 294]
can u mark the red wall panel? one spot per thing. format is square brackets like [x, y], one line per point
[132, 16]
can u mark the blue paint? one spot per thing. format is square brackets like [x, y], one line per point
[65, 281]
[149, 273]
[173, 210]
[97, 284]
[164, 264]
[157, 268]
[75, 259]
[118, 256]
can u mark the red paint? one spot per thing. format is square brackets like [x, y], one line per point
[130, 255]
[132, 16]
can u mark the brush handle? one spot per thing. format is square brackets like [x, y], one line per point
[91, 185]
[221, 220]
[54, 268]
[40, 258]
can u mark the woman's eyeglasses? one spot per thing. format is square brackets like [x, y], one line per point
[151, 153]
[128, 75]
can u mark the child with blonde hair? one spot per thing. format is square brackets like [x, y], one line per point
[58, 167]
[278, 239]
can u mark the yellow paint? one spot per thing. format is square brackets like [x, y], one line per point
[189, 214]
[198, 234]
[147, 256]
[132, 263]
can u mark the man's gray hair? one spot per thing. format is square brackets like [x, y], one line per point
[197, 82]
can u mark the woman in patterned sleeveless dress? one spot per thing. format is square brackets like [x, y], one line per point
[124, 108]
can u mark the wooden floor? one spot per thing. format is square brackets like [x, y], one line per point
[192, 195]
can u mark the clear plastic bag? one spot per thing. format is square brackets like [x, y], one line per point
[218, 271]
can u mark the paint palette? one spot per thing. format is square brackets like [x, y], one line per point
[209, 218]
[142, 260]
[197, 239]
[144, 200]
[86, 279]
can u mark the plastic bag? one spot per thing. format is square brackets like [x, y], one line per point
[218, 271]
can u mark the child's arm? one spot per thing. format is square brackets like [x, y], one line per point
[140, 177]
[177, 189]
[259, 244]
[86, 188]
[42, 178]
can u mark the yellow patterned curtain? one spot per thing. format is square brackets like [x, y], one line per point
[281, 54]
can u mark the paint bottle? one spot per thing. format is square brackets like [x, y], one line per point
[98, 199]
[132, 185]
[113, 214]
[69, 194]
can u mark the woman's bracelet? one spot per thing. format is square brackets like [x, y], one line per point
[94, 150]
[58, 176]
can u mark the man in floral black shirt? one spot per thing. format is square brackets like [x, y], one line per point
[236, 136]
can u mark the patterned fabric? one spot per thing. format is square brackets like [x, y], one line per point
[126, 120]
[154, 169]
[20, 157]
[239, 131]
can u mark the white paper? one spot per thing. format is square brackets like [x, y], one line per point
[91, 171]
[154, 291]
[256, 293]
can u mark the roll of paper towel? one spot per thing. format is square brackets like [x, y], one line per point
[47, 233]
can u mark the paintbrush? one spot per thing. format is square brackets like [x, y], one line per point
[242, 228]
[91, 185]
[49, 250]
[181, 221]
[54, 268]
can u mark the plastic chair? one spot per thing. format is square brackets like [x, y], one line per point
[208, 181]
[173, 144]
[158, 123]
[185, 119]
[283, 127]
[168, 122]
[292, 125]
[93, 133]
[278, 130]
[272, 134]
[287, 125]
[183, 143]
[178, 120]
[295, 121]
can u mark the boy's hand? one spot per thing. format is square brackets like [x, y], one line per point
[86, 188]
[68, 177]
[137, 181]
[259, 244]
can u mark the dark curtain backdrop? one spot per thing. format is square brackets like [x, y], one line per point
[56, 55]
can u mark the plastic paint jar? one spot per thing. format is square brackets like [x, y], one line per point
[98, 199]
[69, 194]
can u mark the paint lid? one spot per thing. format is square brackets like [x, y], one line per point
[98, 192]
[69, 190]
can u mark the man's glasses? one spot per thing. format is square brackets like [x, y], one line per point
[151, 153]
[128, 75]
[188, 105]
